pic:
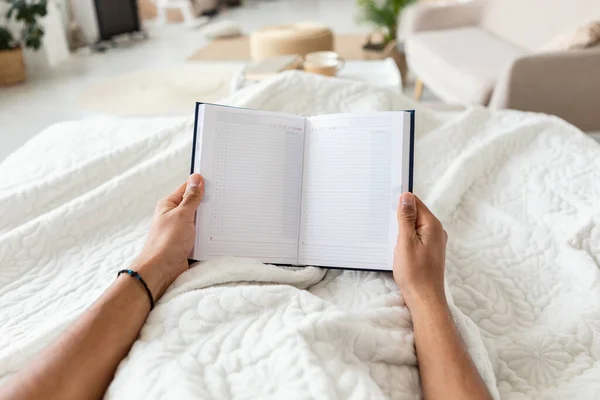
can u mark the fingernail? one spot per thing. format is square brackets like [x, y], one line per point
[194, 180]
[408, 200]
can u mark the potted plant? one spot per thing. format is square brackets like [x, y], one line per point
[383, 15]
[26, 13]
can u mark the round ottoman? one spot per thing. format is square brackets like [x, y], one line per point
[299, 38]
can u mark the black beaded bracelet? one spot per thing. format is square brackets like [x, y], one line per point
[141, 280]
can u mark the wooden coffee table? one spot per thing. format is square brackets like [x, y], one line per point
[347, 46]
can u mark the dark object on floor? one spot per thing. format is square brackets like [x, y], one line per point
[116, 17]
[210, 13]
[375, 42]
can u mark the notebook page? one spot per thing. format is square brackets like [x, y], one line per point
[252, 165]
[352, 173]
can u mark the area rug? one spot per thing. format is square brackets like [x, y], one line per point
[161, 91]
[238, 48]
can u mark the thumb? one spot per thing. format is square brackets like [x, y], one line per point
[193, 192]
[407, 214]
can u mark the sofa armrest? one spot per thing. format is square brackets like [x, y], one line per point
[425, 16]
[566, 84]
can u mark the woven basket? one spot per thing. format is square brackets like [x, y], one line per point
[298, 38]
[12, 67]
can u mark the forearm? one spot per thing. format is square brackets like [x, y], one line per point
[445, 367]
[81, 363]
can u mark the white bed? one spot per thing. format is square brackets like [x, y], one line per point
[518, 194]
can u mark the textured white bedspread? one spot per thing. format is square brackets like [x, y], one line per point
[518, 194]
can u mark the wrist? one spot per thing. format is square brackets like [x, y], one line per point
[154, 272]
[136, 292]
[425, 300]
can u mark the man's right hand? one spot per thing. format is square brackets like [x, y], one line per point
[445, 367]
[420, 253]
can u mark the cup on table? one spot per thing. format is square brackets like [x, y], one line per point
[326, 63]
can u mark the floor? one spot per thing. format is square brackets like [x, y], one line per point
[51, 96]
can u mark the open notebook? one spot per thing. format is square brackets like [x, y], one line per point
[287, 189]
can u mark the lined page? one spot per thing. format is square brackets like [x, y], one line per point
[252, 164]
[352, 172]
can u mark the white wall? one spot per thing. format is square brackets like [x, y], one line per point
[55, 47]
[64, 11]
[84, 12]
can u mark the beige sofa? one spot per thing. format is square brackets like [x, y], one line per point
[487, 52]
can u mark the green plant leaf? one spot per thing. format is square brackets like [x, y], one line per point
[32, 36]
[382, 14]
[28, 13]
[7, 41]
[10, 12]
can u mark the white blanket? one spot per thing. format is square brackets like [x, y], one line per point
[516, 192]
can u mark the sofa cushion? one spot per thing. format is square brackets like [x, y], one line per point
[460, 65]
[582, 37]
[532, 23]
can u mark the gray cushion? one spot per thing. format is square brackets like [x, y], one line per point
[460, 65]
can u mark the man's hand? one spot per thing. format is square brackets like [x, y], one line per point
[171, 237]
[420, 253]
[445, 367]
